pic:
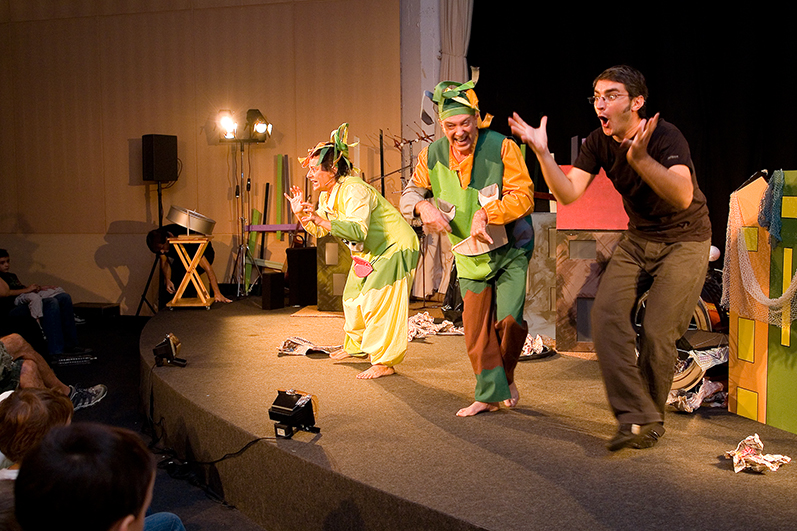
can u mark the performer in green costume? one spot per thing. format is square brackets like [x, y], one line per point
[384, 251]
[478, 177]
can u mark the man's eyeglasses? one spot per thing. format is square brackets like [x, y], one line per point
[608, 98]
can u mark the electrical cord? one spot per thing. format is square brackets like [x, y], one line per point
[186, 469]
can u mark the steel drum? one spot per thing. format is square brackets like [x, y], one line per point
[191, 220]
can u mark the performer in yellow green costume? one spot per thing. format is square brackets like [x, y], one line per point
[384, 251]
[478, 177]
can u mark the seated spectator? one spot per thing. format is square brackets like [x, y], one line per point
[23, 325]
[25, 418]
[49, 305]
[89, 477]
[22, 367]
[172, 269]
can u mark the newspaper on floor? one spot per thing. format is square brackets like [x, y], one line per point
[535, 348]
[422, 325]
[298, 346]
[682, 400]
[748, 454]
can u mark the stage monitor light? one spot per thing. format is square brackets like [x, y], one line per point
[167, 350]
[228, 126]
[257, 127]
[293, 410]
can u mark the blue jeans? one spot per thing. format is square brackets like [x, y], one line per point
[58, 322]
[163, 522]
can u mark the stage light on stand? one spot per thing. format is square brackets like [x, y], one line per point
[257, 127]
[167, 350]
[228, 126]
[257, 130]
[293, 410]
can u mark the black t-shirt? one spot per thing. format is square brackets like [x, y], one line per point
[650, 216]
[171, 254]
[7, 303]
[12, 280]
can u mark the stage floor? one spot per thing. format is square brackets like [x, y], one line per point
[391, 453]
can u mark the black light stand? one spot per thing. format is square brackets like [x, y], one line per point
[154, 262]
[253, 134]
[243, 192]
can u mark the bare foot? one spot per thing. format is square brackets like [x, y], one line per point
[515, 396]
[476, 408]
[339, 354]
[376, 371]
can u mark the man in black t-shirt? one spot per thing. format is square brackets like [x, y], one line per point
[171, 266]
[665, 249]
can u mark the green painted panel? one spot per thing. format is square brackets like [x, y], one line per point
[788, 231]
[781, 378]
[332, 273]
[790, 182]
[776, 272]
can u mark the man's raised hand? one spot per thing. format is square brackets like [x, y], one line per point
[535, 138]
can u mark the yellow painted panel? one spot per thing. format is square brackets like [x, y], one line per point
[751, 237]
[789, 207]
[746, 350]
[747, 403]
[785, 327]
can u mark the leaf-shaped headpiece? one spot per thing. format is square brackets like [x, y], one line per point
[454, 98]
[338, 143]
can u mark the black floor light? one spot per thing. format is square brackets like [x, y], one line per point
[292, 410]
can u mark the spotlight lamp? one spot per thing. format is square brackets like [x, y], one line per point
[293, 410]
[258, 128]
[167, 350]
[228, 126]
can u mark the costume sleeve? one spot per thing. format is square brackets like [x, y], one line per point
[315, 230]
[517, 193]
[312, 228]
[354, 213]
[418, 187]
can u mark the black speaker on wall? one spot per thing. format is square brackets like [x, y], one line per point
[159, 157]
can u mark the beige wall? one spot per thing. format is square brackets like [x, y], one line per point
[82, 81]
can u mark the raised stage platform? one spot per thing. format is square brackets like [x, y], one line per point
[391, 453]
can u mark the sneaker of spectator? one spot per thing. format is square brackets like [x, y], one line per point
[24, 368]
[86, 397]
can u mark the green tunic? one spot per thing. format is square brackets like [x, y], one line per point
[493, 284]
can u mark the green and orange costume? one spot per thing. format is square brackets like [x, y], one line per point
[493, 284]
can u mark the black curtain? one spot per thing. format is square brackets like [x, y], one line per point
[728, 81]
